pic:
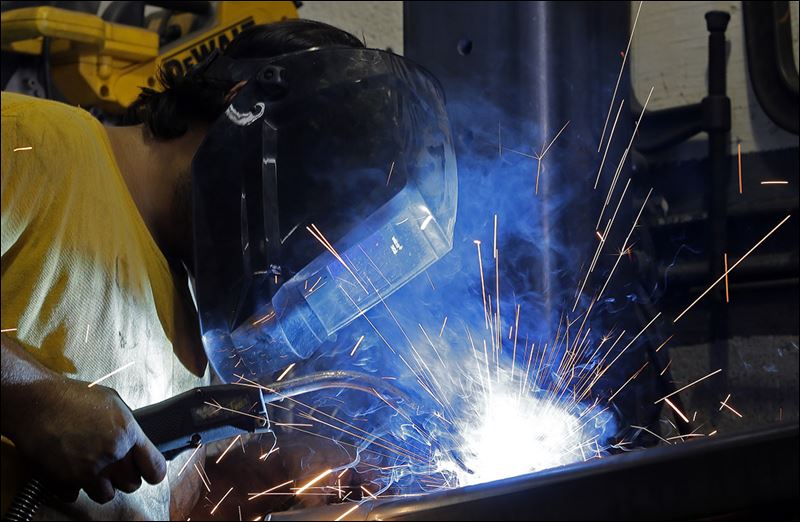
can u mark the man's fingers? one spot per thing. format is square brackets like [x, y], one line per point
[124, 474]
[101, 490]
[149, 461]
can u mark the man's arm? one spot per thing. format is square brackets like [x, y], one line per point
[74, 436]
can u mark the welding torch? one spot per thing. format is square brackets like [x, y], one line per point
[212, 413]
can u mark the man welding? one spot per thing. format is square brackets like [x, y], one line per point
[293, 180]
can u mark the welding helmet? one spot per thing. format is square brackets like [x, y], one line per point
[328, 183]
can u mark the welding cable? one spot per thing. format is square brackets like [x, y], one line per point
[31, 496]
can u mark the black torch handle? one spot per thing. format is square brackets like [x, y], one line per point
[201, 416]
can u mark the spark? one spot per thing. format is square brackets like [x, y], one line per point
[368, 492]
[270, 490]
[483, 283]
[343, 515]
[656, 435]
[634, 376]
[86, 337]
[6, 330]
[540, 157]
[619, 77]
[314, 481]
[726, 405]
[775, 182]
[444, 323]
[287, 370]
[220, 407]
[358, 343]
[732, 267]
[712, 433]
[228, 449]
[106, 376]
[267, 454]
[292, 231]
[666, 368]
[739, 147]
[727, 292]
[664, 343]
[677, 410]
[389, 178]
[688, 385]
[608, 144]
[220, 501]
[189, 459]
[18, 149]
[314, 231]
[202, 478]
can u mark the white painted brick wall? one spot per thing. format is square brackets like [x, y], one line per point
[379, 23]
[670, 52]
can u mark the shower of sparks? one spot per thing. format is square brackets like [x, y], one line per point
[732, 267]
[285, 372]
[220, 500]
[507, 416]
[18, 149]
[106, 376]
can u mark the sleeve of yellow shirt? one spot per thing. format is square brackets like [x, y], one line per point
[85, 289]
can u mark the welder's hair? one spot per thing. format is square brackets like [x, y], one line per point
[189, 98]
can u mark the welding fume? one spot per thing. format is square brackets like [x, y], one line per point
[261, 267]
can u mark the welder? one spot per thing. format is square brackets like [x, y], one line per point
[266, 185]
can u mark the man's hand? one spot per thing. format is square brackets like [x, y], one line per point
[74, 436]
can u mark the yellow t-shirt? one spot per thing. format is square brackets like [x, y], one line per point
[85, 288]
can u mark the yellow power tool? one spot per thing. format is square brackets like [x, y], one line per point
[103, 61]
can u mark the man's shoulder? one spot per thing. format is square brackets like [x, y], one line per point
[41, 117]
[15, 104]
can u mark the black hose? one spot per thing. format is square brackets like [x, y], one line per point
[26, 503]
